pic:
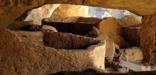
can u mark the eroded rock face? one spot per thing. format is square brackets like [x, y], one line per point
[148, 38]
[67, 41]
[130, 20]
[15, 8]
[67, 10]
[48, 28]
[22, 55]
[90, 20]
[21, 25]
[132, 55]
[110, 29]
[110, 49]
[36, 15]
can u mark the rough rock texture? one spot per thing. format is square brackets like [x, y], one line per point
[36, 15]
[20, 55]
[12, 9]
[67, 41]
[110, 49]
[60, 19]
[48, 28]
[67, 10]
[129, 20]
[110, 29]
[93, 72]
[148, 38]
[90, 20]
[15, 8]
[84, 29]
[131, 34]
[34, 37]
[21, 25]
[132, 55]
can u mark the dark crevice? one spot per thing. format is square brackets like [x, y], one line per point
[60, 40]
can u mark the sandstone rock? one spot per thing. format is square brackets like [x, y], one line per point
[21, 55]
[129, 20]
[67, 41]
[90, 20]
[148, 38]
[12, 9]
[131, 34]
[21, 25]
[48, 28]
[110, 29]
[94, 32]
[33, 37]
[110, 49]
[84, 29]
[36, 15]
[68, 10]
[60, 19]
[132, 55]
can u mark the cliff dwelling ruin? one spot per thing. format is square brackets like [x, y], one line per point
[77, 37]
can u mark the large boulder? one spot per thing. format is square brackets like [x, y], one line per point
[22, 55]
[130, 20]
[68, 10]
[133, 54]
[36, 15]
[110, 29]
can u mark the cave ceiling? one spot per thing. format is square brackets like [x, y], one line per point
[11, 9]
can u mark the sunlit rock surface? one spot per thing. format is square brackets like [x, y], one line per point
[36, 15]
[130, 20]
[67, 10]
[110, 49]
[110, 29]
[23, 53]
[132, 55]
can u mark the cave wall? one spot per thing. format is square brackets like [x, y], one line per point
[148, 38]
